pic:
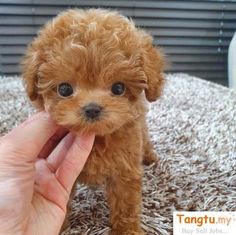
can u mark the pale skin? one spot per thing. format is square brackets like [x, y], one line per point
[36, 177]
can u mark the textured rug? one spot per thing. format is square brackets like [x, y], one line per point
[193, 127]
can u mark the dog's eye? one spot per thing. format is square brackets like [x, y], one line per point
[118, 88]
[65, 89]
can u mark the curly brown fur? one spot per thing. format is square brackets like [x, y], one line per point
[91, 50]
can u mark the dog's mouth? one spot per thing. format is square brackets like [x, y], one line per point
[94, 120]
[96, 129]
[100, 126]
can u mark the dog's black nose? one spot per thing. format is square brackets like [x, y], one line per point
[92, 111]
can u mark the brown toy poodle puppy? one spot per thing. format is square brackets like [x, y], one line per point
[92, 71]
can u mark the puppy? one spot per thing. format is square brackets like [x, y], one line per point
[92, 71]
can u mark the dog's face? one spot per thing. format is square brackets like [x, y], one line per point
[89, 70]
[98, 99]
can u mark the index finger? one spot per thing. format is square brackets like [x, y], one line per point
[28, 139]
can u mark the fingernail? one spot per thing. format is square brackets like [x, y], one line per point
[68, 140]
[40, 115]
[44, 115]
[85, 138]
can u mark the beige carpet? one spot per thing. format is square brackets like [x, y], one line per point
[193, 127]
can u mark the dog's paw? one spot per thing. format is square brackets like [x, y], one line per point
[150, 158]
[127, 232]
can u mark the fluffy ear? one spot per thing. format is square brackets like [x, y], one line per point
[30, 65]
[153, 65]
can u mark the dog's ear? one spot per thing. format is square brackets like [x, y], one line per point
[30, 65]
[153, 64]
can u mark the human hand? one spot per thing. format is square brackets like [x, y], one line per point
[35, 179]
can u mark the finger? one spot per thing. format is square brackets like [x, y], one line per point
[27, 140]
[48, 186]
[74, 161]
[56, 157]
[52, 143]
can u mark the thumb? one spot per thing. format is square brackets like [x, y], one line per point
[74, 160]
[26, 140]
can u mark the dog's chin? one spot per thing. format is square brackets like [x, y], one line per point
[99, 127]
[99, 130]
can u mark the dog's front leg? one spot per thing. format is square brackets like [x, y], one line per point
[124, 197]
